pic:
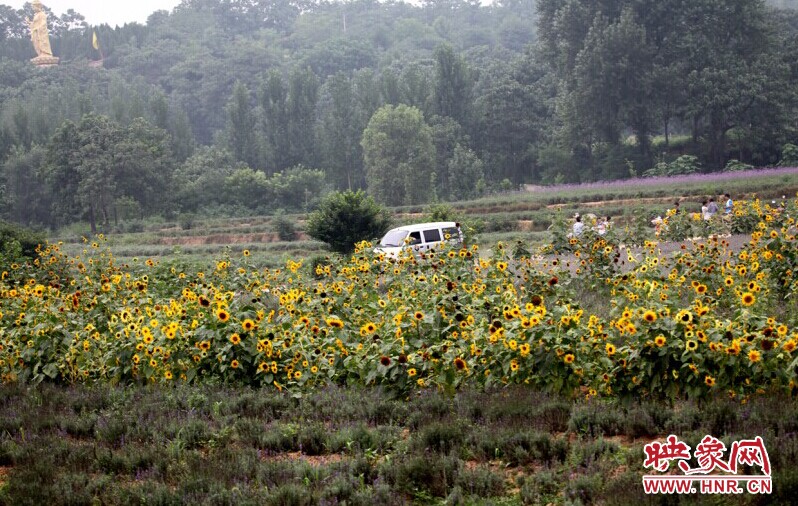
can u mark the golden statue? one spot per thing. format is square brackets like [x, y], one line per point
[40, 36]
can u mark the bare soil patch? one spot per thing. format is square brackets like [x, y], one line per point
[266, 237]
[4, 472]
[313, 460]
[639, 200]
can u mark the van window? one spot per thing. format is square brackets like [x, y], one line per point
[451, 233]
[394, 238]
[415, 238]
[433, 235]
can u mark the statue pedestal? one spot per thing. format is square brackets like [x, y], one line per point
[45, 61]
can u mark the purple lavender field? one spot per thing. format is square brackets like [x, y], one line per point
[686, 180]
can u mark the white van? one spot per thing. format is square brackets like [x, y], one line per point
[419, 238]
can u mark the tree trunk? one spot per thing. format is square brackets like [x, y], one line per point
[667, 134]
[92, 221]
[717, 138]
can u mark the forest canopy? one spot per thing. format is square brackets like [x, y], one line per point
[231, 107]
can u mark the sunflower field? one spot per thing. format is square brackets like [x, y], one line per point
[594, 319]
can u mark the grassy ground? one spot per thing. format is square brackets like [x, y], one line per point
[217, 445]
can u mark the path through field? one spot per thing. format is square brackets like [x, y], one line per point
[736, 243]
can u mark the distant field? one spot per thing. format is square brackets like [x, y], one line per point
[517, 216]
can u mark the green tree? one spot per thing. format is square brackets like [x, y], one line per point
[242, 137]
[341, 55]
[629, 65]
[246, 188]
[303, 94]
[28, 202]
[346, 218]
[274, 120]
[416, 87]
[95, 164]
[80, 169]
[340, 132]
[144, 166]
[61, 174]
[465, 173]
[515, 112]
[446, 135]
[399, 156]
[197, 180]
[296, 187]
[452, 94]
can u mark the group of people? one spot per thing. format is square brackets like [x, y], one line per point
[601, 227]
[709, 208]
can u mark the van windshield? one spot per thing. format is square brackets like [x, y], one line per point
[394, 238]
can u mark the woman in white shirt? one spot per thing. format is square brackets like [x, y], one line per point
[579, 227]
[705, 211]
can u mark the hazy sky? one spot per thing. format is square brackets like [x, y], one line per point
[113, 12]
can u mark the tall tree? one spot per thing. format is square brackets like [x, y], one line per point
[339, 133]
[452, 94]
[274, 121]
[399, 156]
[630, 65]
[61, 174]
[515, 113]
[94, 163]
[27, 201]
[144, 167]
[303, 94]
[242, 137]
[466, 174]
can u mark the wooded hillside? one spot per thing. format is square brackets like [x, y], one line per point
[240, 106]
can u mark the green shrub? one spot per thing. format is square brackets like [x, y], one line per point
[441, 437]
[312, 439]
[431, 474]
[291, 495]
[17, 244]
[442, 212]
[540, 488]
[346, 218]
[685, 164]
[553, 415]
[525, 447]
[736, 166]
[584, 488]
[318, 261]
[283, 226]
[187, 220]
[744, 224]
[595, 419]
[639, 423]
[789, 156]
[480, 481]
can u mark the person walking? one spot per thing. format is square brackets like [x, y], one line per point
[729, 203]
[712, 207]
[603, 226]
